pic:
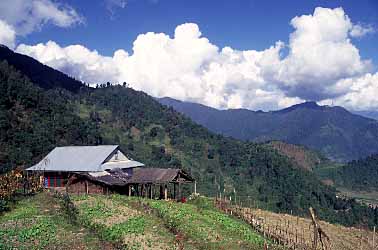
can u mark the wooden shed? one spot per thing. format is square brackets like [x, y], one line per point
[145, 182]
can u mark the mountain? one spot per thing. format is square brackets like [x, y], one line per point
[334, 131]
[35, 119]
[368, 114]
[38, 73]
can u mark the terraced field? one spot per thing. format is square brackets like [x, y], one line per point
[135, 223]
[39, 223]
[119, 222]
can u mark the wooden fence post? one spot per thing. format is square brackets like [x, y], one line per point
[374, 238]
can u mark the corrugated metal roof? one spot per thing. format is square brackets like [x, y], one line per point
[81, 158]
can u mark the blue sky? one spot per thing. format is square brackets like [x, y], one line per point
[226, 54]
[241, 24]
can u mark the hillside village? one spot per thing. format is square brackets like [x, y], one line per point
[188, 125]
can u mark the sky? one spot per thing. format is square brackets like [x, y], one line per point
[259, 55]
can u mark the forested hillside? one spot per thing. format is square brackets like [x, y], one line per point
[34, 120]
[333, 131]
[358, 175]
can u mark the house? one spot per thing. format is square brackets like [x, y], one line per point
[105, 169]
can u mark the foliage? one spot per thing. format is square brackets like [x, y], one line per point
[15, 182]
[207, 227]
[36, 222]
[117, 220]
[335, 132]
[35, 120]
[360, 174]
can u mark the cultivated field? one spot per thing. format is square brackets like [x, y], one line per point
[55, 221]
[298, 233]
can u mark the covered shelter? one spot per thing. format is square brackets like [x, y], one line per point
[160, 183]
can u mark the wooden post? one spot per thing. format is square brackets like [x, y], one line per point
[151, 191]
[360, 239]
[174, 191]
[86, 187]
[165, 192]
[318, 231]
[179, 191]
[195, 187]
[374, 237]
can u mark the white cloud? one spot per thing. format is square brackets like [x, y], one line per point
[322, 63]
[362, 93]
[75, 60]
[27, 16]
[359, 30]
[7, 34]
[320, 54]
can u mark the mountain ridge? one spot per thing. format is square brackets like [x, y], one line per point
[39, 73]
[334, 131]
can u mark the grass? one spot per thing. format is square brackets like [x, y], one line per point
[123, 222]
[115, 221]
[207, 227]
[137, 223]
[368, 197]
[341, 238]
[37, 223]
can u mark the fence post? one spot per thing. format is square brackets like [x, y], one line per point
[374, 238]
[360, 239]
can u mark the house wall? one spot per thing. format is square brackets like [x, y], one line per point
[81, 186]
[118, 156]
[54, 179]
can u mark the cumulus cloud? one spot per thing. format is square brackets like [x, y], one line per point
[322, 64]
[27, 16]
[320, 53]
[75, 60]
[7, 34]
[362, 94]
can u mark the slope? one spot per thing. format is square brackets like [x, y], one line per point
[33, 121]
[36, 120]
[335, 132]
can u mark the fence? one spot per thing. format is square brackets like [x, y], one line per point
[300, 233]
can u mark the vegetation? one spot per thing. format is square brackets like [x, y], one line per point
[333, 131]
[293, 229]
[34, 120]
[359, 175]
[151, 224]
[37, 223]
[124, 222]
[207, 226]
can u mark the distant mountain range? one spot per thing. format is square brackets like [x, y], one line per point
[334, 131]
[369, 114]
